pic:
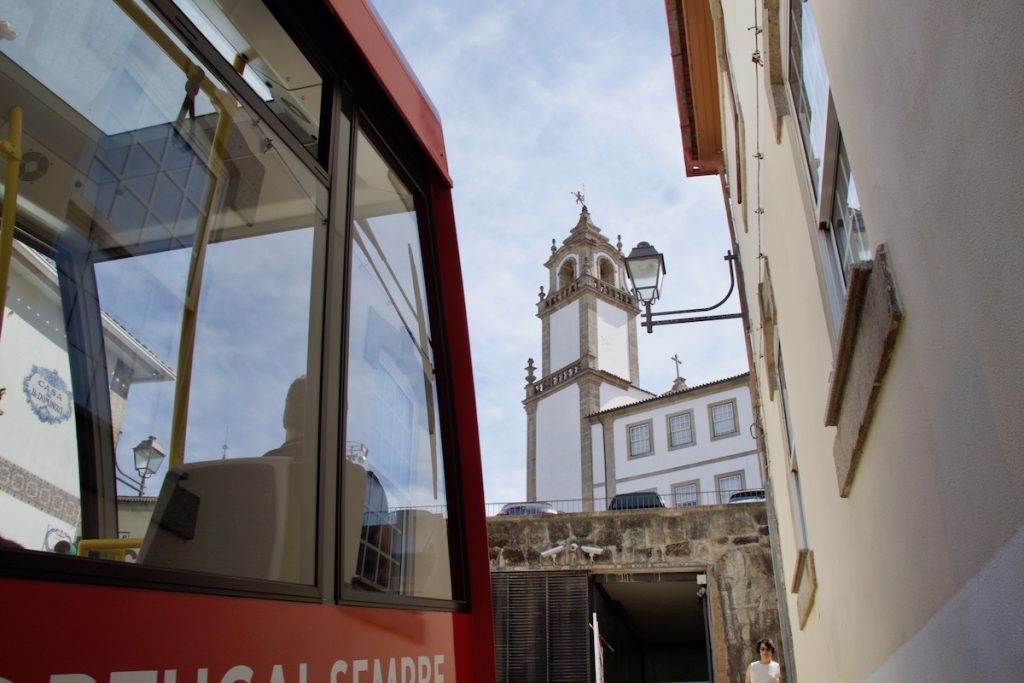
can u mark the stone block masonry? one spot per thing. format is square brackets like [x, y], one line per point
[728, 543]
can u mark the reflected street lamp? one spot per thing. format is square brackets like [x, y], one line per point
[149, 456]
[645, 266]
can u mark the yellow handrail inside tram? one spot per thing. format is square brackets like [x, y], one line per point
[11, 150]
[116, 546]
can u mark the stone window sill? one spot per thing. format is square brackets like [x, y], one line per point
[871, 321]
[805, 584]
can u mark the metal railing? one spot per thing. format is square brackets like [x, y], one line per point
[645, 502]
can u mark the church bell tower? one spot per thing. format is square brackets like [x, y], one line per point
[589, 359]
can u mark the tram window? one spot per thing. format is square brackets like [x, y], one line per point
[392, 424]
[162, 284]
[246, 34]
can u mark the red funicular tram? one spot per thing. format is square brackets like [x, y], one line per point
[238, 436]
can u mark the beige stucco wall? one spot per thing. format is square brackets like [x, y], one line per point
[915, 568]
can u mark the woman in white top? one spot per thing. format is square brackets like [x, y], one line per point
[764, 670]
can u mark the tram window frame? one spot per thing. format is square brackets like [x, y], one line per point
[188, 33]
[17, 563]
[379, 126]
[351, 91]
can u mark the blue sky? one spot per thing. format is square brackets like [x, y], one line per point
[540, 99]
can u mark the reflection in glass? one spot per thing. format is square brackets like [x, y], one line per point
[392, 405]
[851, 240]
[164, 271]
[245, 34]
[809, 85]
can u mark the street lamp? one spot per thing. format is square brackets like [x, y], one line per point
[645, 266]
[148, 458]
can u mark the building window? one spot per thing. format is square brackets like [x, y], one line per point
[680, 430]
[640, 439]
[686, 495]
[844, 240]
[846, 224]
[723, 419]
[808, 82]
[796, 501]
[728, 484]
[805, 583]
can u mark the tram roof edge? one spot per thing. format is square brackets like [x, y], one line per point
[374, 41]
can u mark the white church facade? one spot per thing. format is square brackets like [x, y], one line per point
[592, 431]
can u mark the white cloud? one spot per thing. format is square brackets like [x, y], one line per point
[538, 99]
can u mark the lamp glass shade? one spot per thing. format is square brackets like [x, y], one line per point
[148, 457]
[646, 268]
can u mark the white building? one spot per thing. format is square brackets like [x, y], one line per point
[692, 443]
[40, 496]
[592, 432]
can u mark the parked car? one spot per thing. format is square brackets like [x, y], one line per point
[751, 496]
[637, 500]
[527, 509]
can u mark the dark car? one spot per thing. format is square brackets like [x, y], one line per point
[527, 509]
[638, 500]
[751, 496]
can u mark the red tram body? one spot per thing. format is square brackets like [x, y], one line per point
[238, 440]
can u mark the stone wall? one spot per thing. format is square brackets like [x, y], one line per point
[729, 543]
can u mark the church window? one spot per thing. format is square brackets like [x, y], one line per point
[606, 271]
[723, 419]
[640, 439]
[567, 273]
[680, 430]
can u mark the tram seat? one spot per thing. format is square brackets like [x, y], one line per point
[425, 554]
[247, 517]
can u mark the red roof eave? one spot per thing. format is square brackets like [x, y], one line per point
[384, 58]
[694, 66]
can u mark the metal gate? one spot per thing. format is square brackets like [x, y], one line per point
[541, 626]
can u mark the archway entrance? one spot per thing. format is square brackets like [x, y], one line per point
[653, 626]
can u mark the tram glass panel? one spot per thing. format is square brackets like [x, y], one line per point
[162, 284]
[393, 440]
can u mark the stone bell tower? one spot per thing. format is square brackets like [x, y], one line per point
[588, 362]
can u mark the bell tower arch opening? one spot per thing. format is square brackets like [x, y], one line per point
[606, 271]
[567, 272]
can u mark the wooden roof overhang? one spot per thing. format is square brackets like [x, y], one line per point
[694, 62]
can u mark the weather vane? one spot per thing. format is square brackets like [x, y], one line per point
[581, 197]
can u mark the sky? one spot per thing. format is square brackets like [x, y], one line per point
[540, 99]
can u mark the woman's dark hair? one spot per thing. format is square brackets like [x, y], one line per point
[768, 642]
